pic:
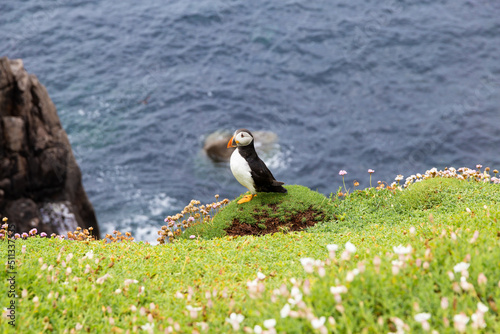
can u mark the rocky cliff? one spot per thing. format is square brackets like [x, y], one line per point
[40, 181]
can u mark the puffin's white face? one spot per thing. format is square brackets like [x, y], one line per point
[243, 138]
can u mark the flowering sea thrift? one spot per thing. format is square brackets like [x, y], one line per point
[332, 248]
[193, 311]
[401, 250]
[460, 322]
[461, 267]
[423, 318]
[255, 288]
[350, 247]
[478, 317]
[349, 250]
[337, 291]
[102, 279]
[481, 279]
[257, 329]
[235, 320]
[269, 323]
[444, 303]
[308, 264]
[302, 303]
[318, 323]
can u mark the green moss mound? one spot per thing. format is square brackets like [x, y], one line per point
[267, 213]
[439, 197]
[445, 194]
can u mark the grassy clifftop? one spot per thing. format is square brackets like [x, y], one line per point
[268, 213]
[425, 258]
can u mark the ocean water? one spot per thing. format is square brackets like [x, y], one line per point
[396, 86]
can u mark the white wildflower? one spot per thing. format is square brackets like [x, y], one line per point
[129, 281]
[332, 247]
[317, 323]
[401, 250]
[296, 296]
[336, 290]
[421, 317]
[308, 264]
[466, 286]
[235, 320]
[101, 280]
[89, 254]
[478, 320]
[193, 311]
[460, 267]
[460, 321]
[285, 311]
[350, 247]
[444, 303]
[269, 323]
[149, 327]
[482, 308]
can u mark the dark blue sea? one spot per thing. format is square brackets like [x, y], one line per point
[395, 86]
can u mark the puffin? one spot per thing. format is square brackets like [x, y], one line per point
[249, 169]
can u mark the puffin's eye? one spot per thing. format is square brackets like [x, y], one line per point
[242, 135]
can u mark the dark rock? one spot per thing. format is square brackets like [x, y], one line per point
[14, 133]
[5, 184]
[40, 181]
[24, 210]
[216, 146]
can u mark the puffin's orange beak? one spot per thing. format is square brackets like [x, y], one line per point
[231, 143]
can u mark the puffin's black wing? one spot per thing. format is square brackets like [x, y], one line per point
[263, 178]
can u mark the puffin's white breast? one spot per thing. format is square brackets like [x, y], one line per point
[241, 171]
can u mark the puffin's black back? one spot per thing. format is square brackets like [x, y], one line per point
[262, 176]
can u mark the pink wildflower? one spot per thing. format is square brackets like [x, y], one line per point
[460, 322]
[481, 279]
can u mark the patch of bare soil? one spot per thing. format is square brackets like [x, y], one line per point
[274, 224]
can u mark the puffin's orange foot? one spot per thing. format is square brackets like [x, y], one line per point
[246, 198]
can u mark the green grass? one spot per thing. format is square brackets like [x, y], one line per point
[213, 274]
[275, 205]
[441, 197]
